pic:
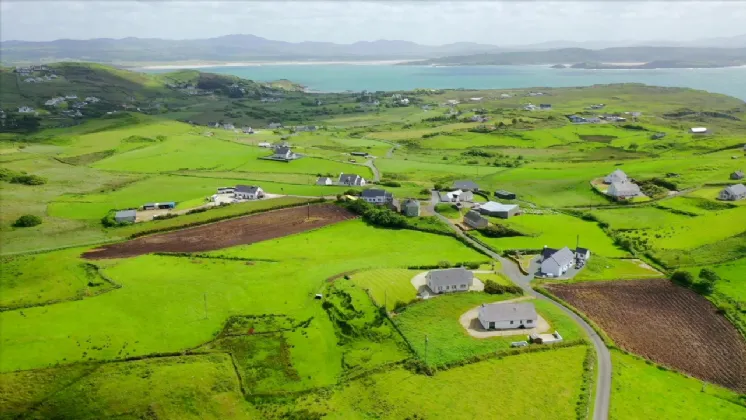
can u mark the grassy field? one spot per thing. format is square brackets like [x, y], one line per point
[641, 390]
[388, 285]
[399, 393]
[553, 230]
[447, 341]
[602, 268]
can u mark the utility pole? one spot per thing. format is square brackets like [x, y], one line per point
[205, 301]
[426, 341]
[386, 299]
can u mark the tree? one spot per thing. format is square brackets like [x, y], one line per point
[708, 275]
[27, 220]
[683, 278]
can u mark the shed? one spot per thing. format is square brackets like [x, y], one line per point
[698, 130]
[124, 216]
[505, 195]
[501, 316]
[737, 175]
[410, 207]
[503, 211]
[324, 181]
[475, 220]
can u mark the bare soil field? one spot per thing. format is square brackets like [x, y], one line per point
[667, 324]
[240, 231]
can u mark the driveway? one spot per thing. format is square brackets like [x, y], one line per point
[603, 380]
[470, 321]
[420, 284]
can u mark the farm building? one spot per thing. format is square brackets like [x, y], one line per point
[226, 190]
[159, 206]
[733, 193]
[737, 175]
[505, 195]
[284, 153]
[456, 196]
[351, 180]
[503, 316]
[583, 254]
[123, 216]
[555, 263]
[616, 176]
[249, 192]
[324, 180]
[465, 185]
[265, 144]
[576, 119]
[545, 106]
[449, 280]
[410, 207]
[503, 211]
[475, 220]
[623, 190]
[376, 196]
[698, 130]
[359, 154]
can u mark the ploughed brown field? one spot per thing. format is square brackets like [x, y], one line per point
[665, 323]
[240, 231]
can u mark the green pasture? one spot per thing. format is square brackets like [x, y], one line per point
[602, 268]
[498, 278]
[641, 390]
[732, 278]
[387, 285]
[554, 231]
[399, 393]
[448, 341]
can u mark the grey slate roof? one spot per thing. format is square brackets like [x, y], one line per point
[496, 312]
[282, 150]
[371, 193]
[465, 185]
[349, 178]
[451, 276]
[473, 216]
[322, 180]
[125, 213]
[248, 189]
[558, 258]
[737, 189]
[625, 188]
[410, 202]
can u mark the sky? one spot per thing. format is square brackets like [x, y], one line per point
[425, 22]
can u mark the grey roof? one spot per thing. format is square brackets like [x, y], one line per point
[473, 216]
[495, 207]
[737, 189]
[443, 195]
[465, 185]
[625, 188]
[249, 189]
[451, 276]
[496, 312]
[348, 178]
[375, 193]
[580, 250]
[410, 202]
[738, 174]
[282, 150]
[322, 180]
[126, 213]
[559, 258]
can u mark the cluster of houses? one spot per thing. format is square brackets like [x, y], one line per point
[350, 180]
[239, 192]
[556, 262]
[620, 186]
[541, 107]
[76, 104]
[27, 73]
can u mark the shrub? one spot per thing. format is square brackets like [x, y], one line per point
[424, 191]
[399, 306]
[28, 180]
[392, 184]
[472, 265]
[683, 278]
[499, 231]
[27, 220]
[493, 288]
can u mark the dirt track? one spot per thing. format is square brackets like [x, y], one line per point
[240, 231]
[664, 323]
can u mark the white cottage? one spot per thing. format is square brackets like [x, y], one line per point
[503, 316]
[248, 192]
[555, 262]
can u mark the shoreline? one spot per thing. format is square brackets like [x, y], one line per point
[201, 65]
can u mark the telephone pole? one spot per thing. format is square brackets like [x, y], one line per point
[205, 301]
[426, 341]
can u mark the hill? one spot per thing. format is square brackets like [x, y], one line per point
[708, 57]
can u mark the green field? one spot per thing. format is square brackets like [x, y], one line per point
[388, 285]
[601, 268]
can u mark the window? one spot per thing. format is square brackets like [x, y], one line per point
[529, 321]
[511, 322]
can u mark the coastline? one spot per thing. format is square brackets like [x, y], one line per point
[201, 65]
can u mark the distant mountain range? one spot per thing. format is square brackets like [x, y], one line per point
[653, 57]
[240, 48]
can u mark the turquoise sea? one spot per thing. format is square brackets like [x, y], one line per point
[356, 77]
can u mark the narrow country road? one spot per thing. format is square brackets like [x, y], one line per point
[372, 165]
[603, 379]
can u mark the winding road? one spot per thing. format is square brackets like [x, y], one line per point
[603, 367]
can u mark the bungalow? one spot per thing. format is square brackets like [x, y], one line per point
[449, 280]
[475, 99]
[503, 211]
[698, 130]
[25, 110]
[505, 195]
[452, 102]
[73, 96]
[530, 107]
[247, 130]
[502, 316]
[737, 175]
[159, 206]
[305, 128]
[733, 193]
[249, 192]
[465, 185]
[324, 180]
[479, 118]
[616, 176]
[624, 189]
[555, 263]
[229, 126]
[545, 106]
[359, 154]
[125, 216]
[54, 101]
[351, 180]
[576, 119]
[456, 196]
[376, 196]
[284, 153]
[265, 144]
[504, 95]
[475, 220]
[410, 207]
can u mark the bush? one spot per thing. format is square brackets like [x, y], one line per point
[425, 191]
[493, 288]
[392, 184]
[27, 220]
[399, 306]
[683, 278]
[472, 265]
[499, 231]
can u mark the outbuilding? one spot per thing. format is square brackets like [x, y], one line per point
[410, 207]
[737, 175]
[449, 280]
[503, 316]
[249, 192]
[125, 216]
[698, 130]
[475, 220]
[324, 180]
[733, 193]
[503, 211]
[505, 195]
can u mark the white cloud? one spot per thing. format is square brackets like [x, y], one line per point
[502, 23]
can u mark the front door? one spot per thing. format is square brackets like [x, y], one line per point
[492, 325]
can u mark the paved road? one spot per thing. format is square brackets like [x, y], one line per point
[372, 165]
[603, 380]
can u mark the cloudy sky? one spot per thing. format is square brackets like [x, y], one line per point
[426, 22]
